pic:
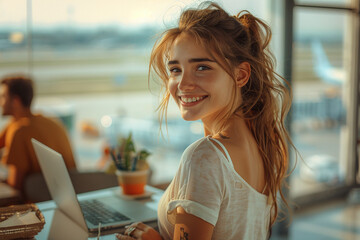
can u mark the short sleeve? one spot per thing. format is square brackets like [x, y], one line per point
[199, 183]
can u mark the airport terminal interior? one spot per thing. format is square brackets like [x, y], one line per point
[91, 72]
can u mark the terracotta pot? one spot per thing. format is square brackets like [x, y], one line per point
[132, 182]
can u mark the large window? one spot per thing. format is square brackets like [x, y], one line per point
[324, 80]
[320, 83]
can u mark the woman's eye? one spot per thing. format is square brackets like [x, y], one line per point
[202, 68]
[174, 70]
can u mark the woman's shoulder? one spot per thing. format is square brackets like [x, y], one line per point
[199, 145]
[200, 150]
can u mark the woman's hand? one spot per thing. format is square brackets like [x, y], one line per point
[139, 231]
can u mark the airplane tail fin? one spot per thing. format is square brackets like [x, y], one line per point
[321, 61]
[322, 66]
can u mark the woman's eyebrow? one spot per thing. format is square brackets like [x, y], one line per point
[192, 60]
[200, 60]
[172, 62]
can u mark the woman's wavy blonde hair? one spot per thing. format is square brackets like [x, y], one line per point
[265, 98]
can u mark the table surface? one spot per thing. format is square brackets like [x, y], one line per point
[59, 226]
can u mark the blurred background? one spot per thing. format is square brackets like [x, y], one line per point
[90, 61]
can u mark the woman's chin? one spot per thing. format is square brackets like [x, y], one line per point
[189, 118]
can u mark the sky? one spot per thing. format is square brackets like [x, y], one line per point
[100, 12]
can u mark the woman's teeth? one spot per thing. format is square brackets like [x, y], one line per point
[193, 99]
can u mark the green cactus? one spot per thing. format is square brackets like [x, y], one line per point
[129, 159]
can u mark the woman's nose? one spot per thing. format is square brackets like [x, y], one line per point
[187, 82]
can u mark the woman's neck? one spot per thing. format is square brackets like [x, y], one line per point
[235, 127]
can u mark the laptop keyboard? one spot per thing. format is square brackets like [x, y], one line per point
[96, 212]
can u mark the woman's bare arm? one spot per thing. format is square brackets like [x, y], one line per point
[190, 227]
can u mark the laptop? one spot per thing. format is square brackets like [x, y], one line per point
[111, 211]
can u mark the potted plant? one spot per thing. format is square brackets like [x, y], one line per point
[132, 168]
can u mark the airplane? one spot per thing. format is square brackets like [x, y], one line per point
[329, 106]
[323, 68]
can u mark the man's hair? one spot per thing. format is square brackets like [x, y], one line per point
[20, 86]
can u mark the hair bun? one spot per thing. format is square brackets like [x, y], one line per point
[245, 19]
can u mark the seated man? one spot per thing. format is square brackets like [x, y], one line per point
[16, 93]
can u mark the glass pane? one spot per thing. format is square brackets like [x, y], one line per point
[320, 78]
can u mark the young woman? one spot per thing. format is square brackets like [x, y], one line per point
[218, 68]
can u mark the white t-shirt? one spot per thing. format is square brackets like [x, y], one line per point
[206, 185]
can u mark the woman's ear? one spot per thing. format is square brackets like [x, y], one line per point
[243, 73]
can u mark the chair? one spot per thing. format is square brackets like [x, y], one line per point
[35, 188]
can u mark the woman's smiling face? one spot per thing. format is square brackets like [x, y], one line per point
[198, 84]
